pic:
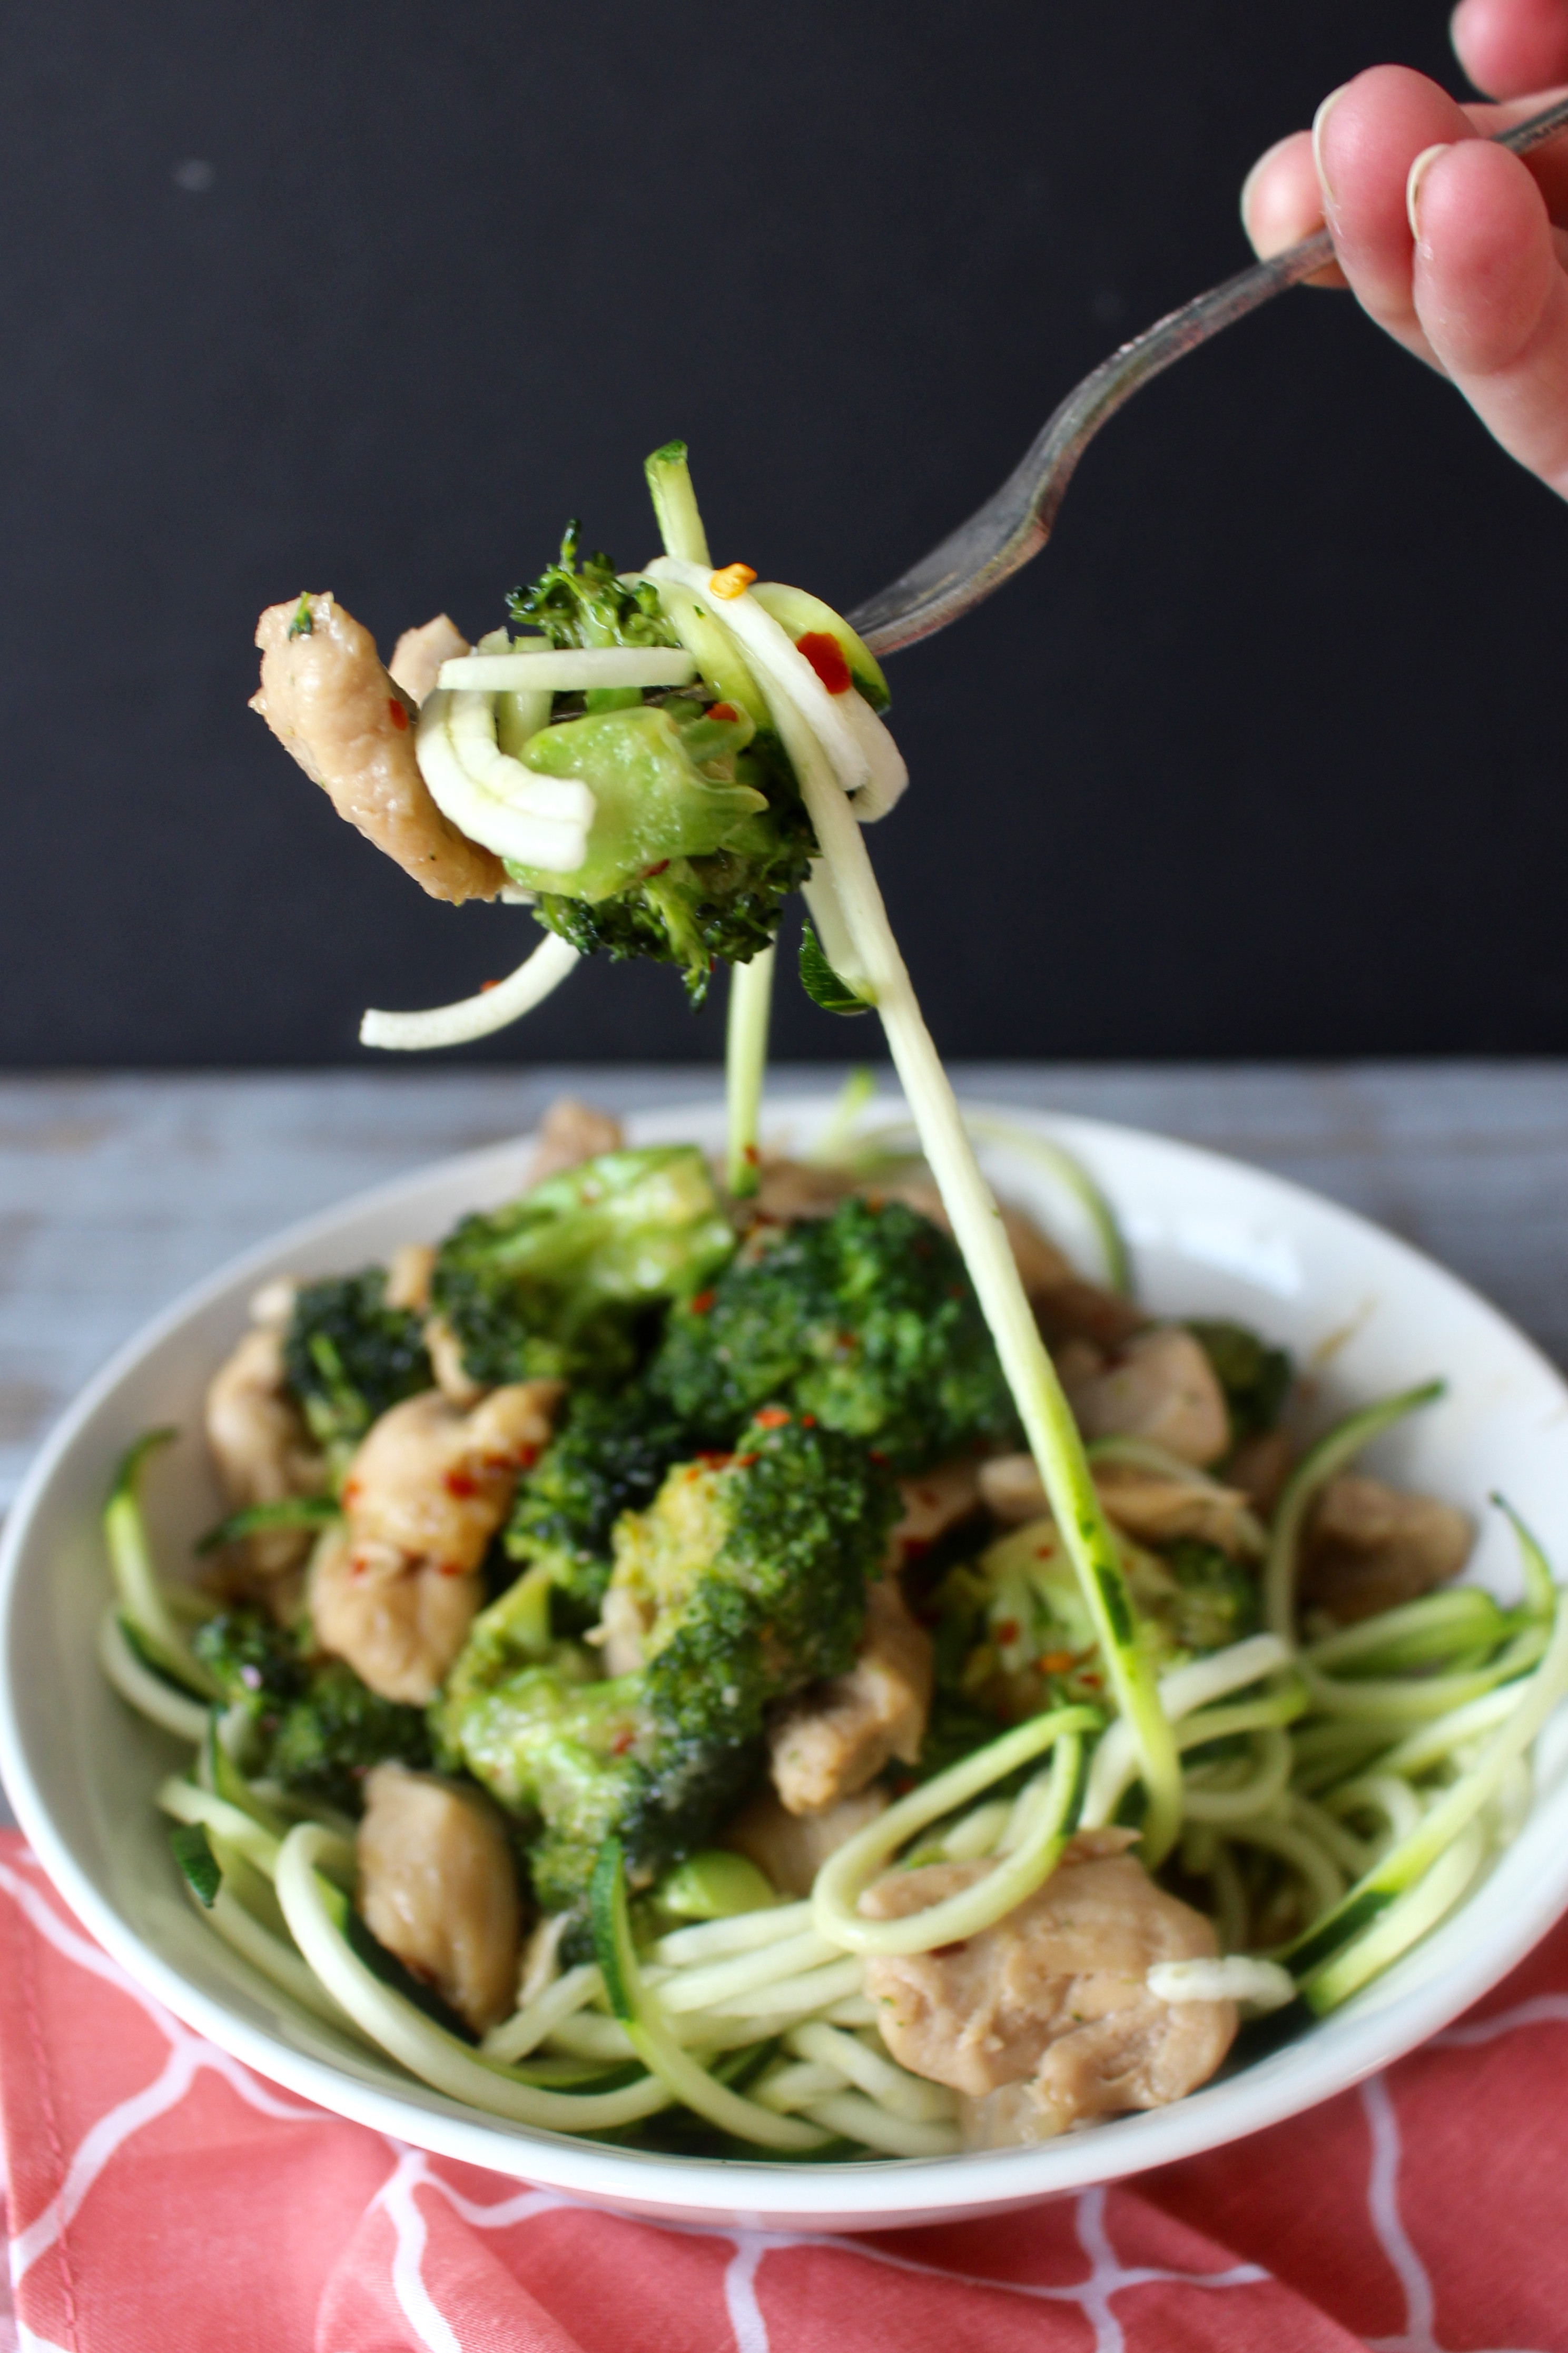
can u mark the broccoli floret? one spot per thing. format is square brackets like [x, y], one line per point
[1217, 1600]
[328, 1738]
[867, 1319]
[607, 1457]
[347, 1356]
[698, 871]
[314, 1726]
[1256, 1379]
[255, 1661]
[589, 605]
[554, 1285]
[751, 1574]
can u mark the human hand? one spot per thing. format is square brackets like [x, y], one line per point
[1458, 248]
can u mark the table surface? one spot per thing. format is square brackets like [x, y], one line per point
[116, 1192]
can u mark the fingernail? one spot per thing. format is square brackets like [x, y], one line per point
[1418, 171]
[1250, 183]
[1319, 122]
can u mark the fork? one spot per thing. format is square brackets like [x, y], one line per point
[1016, 522]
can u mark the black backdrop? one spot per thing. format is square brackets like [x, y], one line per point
[1263, 755]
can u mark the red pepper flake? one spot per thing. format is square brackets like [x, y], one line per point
[526, 1456]
[808, 1421]
[750, 1155]
[351, 1492]
[771, 1417]
[486, 987]
[744, 1462]
[462, 1483]
[704, 1300]
[722, 711]
[397, 713]
[827, 659]
[1057, 1662]
[450, 1568]
[649, 872]
[712, 1458]
[623, 1741]
[1007, 1633]
[1091, 1682]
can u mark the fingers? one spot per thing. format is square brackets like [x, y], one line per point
[1365, 139]
[1510, 47]
[1281, 203]
[1492, 298]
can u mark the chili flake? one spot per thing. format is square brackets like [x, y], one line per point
[827, 659]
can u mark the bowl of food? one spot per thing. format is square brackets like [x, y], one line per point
[596, 1686]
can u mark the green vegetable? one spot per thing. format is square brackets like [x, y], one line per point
[587, 605]
[751, 1575]
[554, 1285]
[675, 503]
[330, 1737]
[608, 1456]
[315, 1727]
[1217, 1600]
[866, 1319]
[255, 1662]
[713, 1885]
[347, 1356]
[821, 983]
[303, 623]
[260, 1519]
[191, 1849]
[799, 615]
[1256, 1379]
[144, 1610]
[639, 2012]
[662, 791]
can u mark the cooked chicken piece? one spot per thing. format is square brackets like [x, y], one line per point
[1150, 1508]
[1260, 1466]
[1053, 1998]
[1370, 1546]
[439, 1888]
[1163, 1388]
[408, 1274]
[791, 1849]
[455, 1382]
[1076, 1310]
[933, 1503]
[787, 1190]
[416, 658]
[1153, 1510]
[831, 1739]
[570, 1133]
[261, 1447]
[425, 1494]
[327, 699]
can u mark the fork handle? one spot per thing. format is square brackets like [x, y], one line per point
[1016, 523]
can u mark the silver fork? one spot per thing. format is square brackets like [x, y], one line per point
[1016, 522]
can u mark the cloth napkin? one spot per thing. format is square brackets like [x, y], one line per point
[162, 2198]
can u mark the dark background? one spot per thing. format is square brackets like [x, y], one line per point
[1262, 756]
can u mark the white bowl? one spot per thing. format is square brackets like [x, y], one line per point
[1208, 1237]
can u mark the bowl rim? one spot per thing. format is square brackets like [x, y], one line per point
[759, 2193]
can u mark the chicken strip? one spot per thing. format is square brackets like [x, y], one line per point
[1163, 1388]
[439, 1888]
[1145, 1505]
[570, 1133]
[260, 1446]
[1370, 1546]
[836, 1735]
[416, 658]
[396, 1592]
[327, 699]
[791, 1849]
[1046, 2020]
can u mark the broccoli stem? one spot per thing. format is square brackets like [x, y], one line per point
[745, 1061]
[675, 505]
[1046, 1417]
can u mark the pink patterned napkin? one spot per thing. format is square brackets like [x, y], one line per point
[164, 2200]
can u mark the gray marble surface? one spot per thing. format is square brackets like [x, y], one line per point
[115, 1192]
